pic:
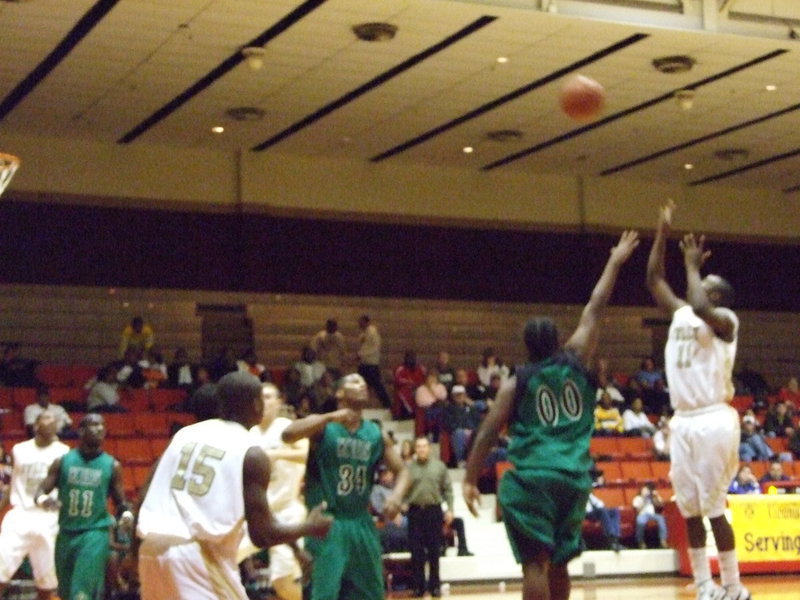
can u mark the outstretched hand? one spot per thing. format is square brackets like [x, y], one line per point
[665, 212]
[472, 497]
[693, 252]
[625, 247]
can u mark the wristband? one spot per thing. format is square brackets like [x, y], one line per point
[40, 499]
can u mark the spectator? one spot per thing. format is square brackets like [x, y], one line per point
[794, 443]
[752, 445]
[329, 344]
[775, 473]
[779, 421]
[609, 519]
[222, 364]
[447, 374]
[607, 420]
[494, 386]
[16, 371]
[324, 393]
[393, 532]
[309, 367]
[292, 388]
[249, 363]
[790, 393]
[490, 365]
[63, 422]
[180, 373]
[635, 422]
[129, 370]
[369, 359]
[104, 392]
[406, 450]
[407, 378]
[744, 482]
[431, 397]
[475, 391]
[461, 419]
[154, 369]
[750, 383]
[649, 384]
[661, 439]
[648, 506]
[605, 382]
[138, 335]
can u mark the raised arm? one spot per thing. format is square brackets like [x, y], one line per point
[584, 340]
[311, 427]
[401, 479]
[262, 526]
[656, 280]
[694, 255]
[485, 440]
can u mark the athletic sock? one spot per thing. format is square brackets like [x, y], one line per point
[701, 569]
[729, 569]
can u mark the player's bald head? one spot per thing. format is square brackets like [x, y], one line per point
[237, 393]
[719, 290]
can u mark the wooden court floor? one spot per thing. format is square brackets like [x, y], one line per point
[762, 587]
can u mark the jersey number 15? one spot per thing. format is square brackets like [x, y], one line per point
[202, 475]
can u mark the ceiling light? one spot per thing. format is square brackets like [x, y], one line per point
[771, 87]
[688, 166]
[502, 59]
[218, 129]
[685, 99]
[375, 32]
[254, 56]
[678, 63]
[468, 149]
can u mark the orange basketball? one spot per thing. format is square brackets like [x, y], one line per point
[582, 98]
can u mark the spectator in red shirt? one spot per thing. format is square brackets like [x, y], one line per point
[407, 378]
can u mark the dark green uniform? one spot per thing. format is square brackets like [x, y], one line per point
[544, 497]
[341, 466]
[82, 545]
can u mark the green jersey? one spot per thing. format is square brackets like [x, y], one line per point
[341, 467]
[83, 491]
[553, 416]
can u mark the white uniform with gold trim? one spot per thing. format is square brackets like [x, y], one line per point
[27, 529]
[704, 433]
[192, 518]
[283, 495]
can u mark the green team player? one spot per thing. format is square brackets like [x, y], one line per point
[85, 477]
[549, 409]
[345, 451]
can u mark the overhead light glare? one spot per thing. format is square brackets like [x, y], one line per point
[218, 129]
[502, 59]
[468, 149]
[688, 166]
[771, 87]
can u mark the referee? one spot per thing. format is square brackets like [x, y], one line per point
[429, 486]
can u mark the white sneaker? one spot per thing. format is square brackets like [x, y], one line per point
[738, 592]
[708, 590]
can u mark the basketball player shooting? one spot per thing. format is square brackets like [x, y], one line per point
[704, 433]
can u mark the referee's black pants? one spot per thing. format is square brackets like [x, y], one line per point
[425, 541]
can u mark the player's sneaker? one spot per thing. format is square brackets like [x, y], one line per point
[708, 590]
[738, 592]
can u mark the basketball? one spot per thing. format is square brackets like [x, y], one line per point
[582, 98]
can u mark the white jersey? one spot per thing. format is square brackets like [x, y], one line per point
[698, 364]
[286, 476]
[31, 463]
[196, 493]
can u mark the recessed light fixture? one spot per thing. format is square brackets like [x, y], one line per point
[245, 113]
[254, 56]
[771, 87]
[468, 149]
[688, 166]
[502, 59]
[679, 63]
[218, 129]
[375, 32]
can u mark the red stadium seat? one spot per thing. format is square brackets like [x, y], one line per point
[137, 400]
[158, 445]
[119, 424]
[151, 424]
[59, 395]
[134, 451]
[636, 471]
[605, 448]
[166, 399]
[636, 448]
[612, 474]
[23, 397]
[54, 375]
[612, 497]
[742, 403]
[660, 470]
[778, 444]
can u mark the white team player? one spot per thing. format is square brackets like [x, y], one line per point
[704, 433]
[288, 466]
[29, 530]
[210, 481]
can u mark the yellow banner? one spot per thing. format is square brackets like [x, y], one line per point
[767, 527]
